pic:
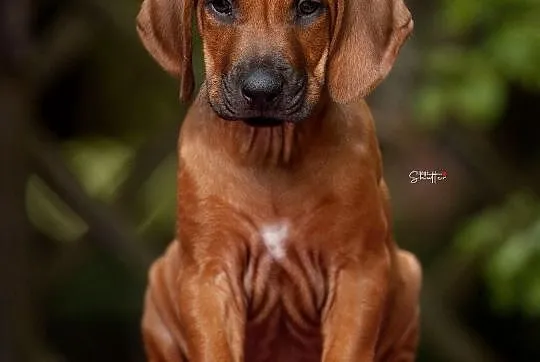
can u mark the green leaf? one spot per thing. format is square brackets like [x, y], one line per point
[491, 228]
[100, 165]
[508, 237]
[49, 214]
[479, 98]
[515, 49]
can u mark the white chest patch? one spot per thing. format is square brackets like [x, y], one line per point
[274, 237]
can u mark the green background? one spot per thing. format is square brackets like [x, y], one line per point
[89, 129]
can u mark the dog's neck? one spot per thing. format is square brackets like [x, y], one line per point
[268, 146]
[284, 145]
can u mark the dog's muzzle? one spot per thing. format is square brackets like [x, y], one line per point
[262, 93]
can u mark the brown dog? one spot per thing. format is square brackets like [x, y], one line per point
[285, 250]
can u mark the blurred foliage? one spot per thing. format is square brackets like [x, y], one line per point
[158, 198]
[486, 46]
[111, 99]
[101, 166]
[50, 215]
[507, 237]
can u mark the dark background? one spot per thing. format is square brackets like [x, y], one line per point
[88, 127]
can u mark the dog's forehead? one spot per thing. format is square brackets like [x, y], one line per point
[276, 9]
[264, 4]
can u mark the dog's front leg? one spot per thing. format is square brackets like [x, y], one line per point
[211, 312]
[353, 313]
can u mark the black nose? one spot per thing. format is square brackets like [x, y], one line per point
[262, 86]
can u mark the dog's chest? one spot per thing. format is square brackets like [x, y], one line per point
[274, 238]
[285, 287]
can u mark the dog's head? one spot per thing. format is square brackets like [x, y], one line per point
[272, 60]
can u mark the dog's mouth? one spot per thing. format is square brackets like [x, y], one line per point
[232, 110]
[262, 95]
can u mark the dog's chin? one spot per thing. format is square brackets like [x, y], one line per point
[258, 122]
[263, 122]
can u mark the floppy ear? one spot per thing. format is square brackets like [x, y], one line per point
[367, 37]
[164, 27]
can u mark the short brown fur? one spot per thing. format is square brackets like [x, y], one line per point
[343, 292]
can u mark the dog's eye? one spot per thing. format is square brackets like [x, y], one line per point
[222, 7]
[308, 7]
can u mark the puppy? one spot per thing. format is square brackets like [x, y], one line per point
[284, 248]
